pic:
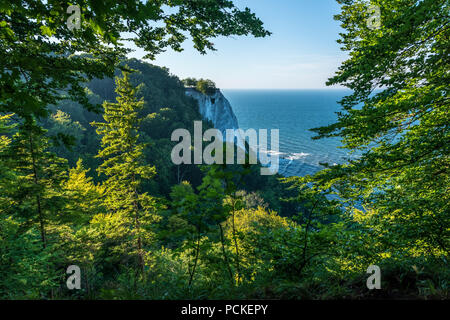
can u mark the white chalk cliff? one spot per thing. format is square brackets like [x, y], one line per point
[216, 108]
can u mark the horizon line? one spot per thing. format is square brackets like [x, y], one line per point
[322, 88]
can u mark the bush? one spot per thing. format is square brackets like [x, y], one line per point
[207, 87]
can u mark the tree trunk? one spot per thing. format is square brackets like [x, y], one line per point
[196, 258]
[225, 257]
[137, 222]
[235, 242]
[38, 197]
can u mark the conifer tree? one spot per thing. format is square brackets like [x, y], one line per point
[6, 175]
[37, 196]
[86, 198]
[125, 168]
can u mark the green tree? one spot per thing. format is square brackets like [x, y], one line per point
[125, 168]
[38, 50]
[318, 216]
[207, 87]
[7, 176]
[205, 212]
[66, 134]
[186, 208]
[190, 82]
[398, 119]
[259, 234]
[86, 199]
[37, 196]
[31, 208]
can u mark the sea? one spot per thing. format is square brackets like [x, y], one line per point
[293, 113]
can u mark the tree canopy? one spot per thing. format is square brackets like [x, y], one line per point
[397, 118]
[40, 55]
[109, 200]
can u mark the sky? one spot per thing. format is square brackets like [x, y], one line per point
[301, 53]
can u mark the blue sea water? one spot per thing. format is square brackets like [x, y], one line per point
[293, 112]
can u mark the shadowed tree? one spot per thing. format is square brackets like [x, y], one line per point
[398, 118]
[36, 196]
[40, 55]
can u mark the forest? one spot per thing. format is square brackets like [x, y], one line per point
[86, 177]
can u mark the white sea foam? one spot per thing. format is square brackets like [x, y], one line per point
[272, 152]
[297, 156]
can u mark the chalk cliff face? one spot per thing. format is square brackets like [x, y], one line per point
[216, 108]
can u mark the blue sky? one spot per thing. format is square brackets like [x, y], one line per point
[301, 53]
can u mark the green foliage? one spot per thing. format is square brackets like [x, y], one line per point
[38, 173]
[398, 117]
[24, 265]
[87, 199]
[37, 47]
[216, 232]
[31, 207]
[190, 82]
[204, 86]
[125, 168]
